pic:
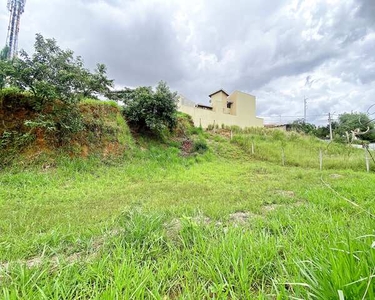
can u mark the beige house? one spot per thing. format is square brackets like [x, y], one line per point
[237, 109]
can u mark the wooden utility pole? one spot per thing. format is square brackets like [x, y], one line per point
[304, 108]
[330, 126]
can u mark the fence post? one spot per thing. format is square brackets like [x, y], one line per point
[283, 156]
[231, 134]
[367, 161]
[252, 148]
[320, 159]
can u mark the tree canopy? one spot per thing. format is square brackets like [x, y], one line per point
[151, 110]
[4, 66]
[52, 73]
[301, 126]
[360, 122]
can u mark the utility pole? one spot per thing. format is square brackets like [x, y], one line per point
[330, 126]
[304, 108]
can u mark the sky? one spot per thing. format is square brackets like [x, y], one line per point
[277, 50]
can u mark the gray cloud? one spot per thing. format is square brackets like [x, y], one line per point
[266, 48]
[367, 10]
[142, 51]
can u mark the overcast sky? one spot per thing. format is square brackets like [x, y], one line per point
[277, 50]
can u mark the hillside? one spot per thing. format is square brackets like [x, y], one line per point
[29, 134]
[174, 220]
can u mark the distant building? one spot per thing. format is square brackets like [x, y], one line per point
[237, 109]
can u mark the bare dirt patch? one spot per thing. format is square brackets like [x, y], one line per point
[335, 176]
[272, 207]
[173, 228]
[56, 260]
[240, 217]
[201, 220]
[288, 194]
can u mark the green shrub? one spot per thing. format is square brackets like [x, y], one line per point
[200, 146]
[15, 139]
[151, 111]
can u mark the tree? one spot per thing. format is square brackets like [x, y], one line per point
[5, 66]
[52, 73]
[4, 53]
[358, 123]
[149, 110]
[323, 132]
[301, 126]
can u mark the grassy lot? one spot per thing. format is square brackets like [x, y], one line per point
[222, 225]
[300, 151]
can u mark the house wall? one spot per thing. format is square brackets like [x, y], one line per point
[219, 102]
[242, 112]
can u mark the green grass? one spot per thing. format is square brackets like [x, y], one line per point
[301, 151]
[96, 102]
[160, 226]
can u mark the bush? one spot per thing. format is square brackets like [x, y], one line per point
[200, 146]
[151, 111]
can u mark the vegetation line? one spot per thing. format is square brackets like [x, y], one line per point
[346, 199]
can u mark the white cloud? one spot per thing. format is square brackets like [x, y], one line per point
[267, 48]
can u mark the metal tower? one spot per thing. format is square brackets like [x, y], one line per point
[16, 8]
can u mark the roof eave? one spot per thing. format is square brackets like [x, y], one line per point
[221, 90]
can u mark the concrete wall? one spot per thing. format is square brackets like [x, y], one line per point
[242, 113]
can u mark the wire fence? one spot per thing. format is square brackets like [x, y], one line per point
[292, 149]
